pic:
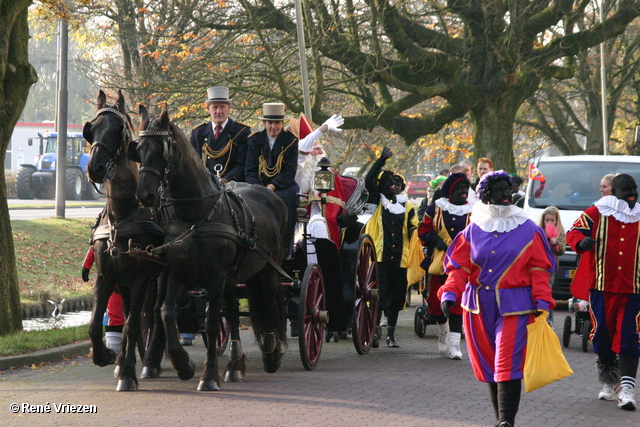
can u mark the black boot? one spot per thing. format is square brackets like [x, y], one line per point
[508, 401]
[376, 337]
[493, 395]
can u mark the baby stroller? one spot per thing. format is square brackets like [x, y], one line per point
[582, 325]
[422, 318]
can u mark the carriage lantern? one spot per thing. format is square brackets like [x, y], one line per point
[324, 181]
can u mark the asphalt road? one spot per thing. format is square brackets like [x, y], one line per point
[410, 386]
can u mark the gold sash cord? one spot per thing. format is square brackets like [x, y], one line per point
[270, 172]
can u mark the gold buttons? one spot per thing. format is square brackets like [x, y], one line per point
[622, 226]
[490, 271]
[495, 235]
[486, 287]
[493, 252]
[622, 239]
[620, 253]
[619, 268]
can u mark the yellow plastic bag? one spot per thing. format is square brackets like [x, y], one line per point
[437, 262]
[414, 271]
[544, 361]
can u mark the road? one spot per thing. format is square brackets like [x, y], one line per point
[410, 386]
[37, 209]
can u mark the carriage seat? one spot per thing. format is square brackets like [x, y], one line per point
[355, 192]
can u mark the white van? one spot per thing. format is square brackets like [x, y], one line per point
[572, 184]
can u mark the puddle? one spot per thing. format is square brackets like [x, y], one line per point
[65, 320]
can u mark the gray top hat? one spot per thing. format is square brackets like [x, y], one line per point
[273, 111]
[218, 94]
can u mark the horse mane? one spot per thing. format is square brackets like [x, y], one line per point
[185, 150]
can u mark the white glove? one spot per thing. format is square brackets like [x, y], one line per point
[334, 122]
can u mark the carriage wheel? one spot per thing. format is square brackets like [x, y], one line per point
[586, 331]
[312, 316]
[365, 305]
[223, 337]
[566, 332]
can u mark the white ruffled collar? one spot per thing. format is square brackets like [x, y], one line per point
[618, 208]
[397, 207]
[444, 204]
[497, 218]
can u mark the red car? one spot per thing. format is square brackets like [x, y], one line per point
[418, 185]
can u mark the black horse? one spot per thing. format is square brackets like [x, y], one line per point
[221, 238]
[122, 225]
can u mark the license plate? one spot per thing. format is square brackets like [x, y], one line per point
[570, 274]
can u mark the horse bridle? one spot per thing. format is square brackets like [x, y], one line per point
[126, 137]
[168, 144]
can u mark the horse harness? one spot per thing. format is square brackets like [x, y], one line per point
[244, 235]
[128, 227]
[127, 137]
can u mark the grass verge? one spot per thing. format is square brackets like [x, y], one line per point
[49, 254]
[25, 342]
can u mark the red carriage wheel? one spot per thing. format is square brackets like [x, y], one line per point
[365, 304]
[223, 337]
[312, 316]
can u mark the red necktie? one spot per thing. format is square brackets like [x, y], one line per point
[218, 129]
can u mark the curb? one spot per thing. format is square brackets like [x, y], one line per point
[52, 206]
[55, 354]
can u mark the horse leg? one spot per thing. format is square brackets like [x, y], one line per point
[153, 354]
[180, 359]
[234, 372]
[210, 378]
[100, 354]
[127, 380]
[268, 317]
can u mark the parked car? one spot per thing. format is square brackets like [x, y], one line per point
[418, 185]
[572, 184]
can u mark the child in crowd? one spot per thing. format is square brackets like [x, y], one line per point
[556, 236]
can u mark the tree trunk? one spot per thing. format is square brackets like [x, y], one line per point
[493, 132]
[16, 77]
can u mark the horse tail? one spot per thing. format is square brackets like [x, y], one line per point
[267, 305]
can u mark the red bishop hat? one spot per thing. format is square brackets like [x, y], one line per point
[301, 128]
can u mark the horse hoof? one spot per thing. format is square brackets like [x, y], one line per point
[189, 373]
[233, 377]
[208, 385]
[103, 358]
[271, 364]
[127, 384]
[150, 372]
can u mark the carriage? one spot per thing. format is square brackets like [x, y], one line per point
[329, 291]
[225, 239]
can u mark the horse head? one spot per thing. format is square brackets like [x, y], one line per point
[109, 133]
[155, 149]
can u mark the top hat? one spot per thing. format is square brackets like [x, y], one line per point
[273, 111]
[218, 94]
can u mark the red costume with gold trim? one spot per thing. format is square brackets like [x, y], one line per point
[612, 263]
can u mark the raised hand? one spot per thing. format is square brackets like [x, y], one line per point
[334, 122]
[386, 153]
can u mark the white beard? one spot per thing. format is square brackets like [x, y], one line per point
[309, 167]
